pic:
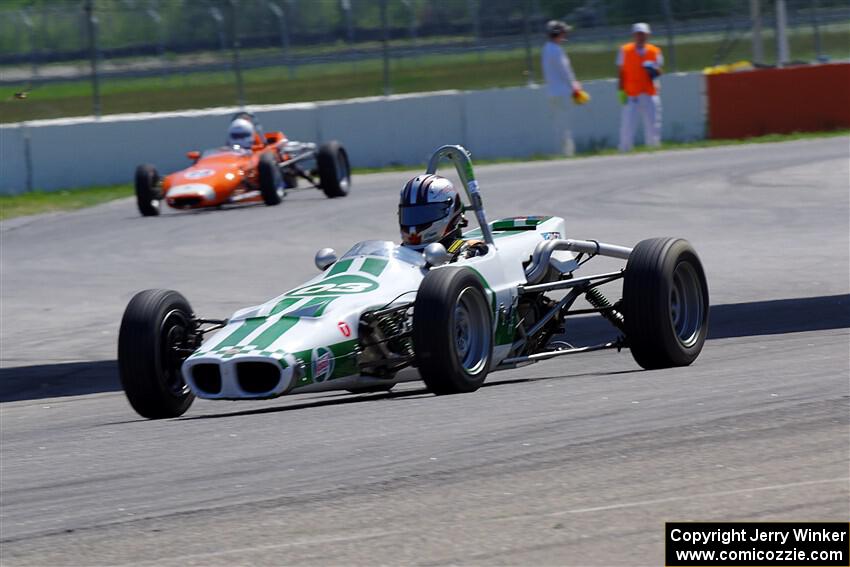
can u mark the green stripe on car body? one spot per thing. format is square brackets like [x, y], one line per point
[270, 335]
[512, 223]
[249, 326]
[284, 304]
[339, 267]
[374, 266]
[320, 303]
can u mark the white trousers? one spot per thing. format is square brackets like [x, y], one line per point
[649, 109]
[559, 112]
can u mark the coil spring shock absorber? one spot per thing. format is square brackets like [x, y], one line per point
[391, 326]
[599, 301]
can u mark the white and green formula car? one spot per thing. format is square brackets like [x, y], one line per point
[379, 311]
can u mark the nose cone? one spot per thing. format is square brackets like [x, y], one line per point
[240, 373]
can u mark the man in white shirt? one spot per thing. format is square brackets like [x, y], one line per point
[561, 83]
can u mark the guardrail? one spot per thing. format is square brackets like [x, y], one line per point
[377, 131]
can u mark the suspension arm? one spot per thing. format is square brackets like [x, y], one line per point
[598, 279]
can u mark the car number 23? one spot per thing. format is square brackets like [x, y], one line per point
[337, 286]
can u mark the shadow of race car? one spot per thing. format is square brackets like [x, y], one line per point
[233, 174]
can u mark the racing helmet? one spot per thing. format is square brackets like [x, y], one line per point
[429, 210]
[240, 133]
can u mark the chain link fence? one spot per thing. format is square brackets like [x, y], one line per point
[77, 57]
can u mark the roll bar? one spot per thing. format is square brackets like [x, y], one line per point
[463, 164]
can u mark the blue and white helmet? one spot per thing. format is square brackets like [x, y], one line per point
[429, 210]
[240, 133]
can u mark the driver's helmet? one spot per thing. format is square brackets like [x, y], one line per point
[430, 210]
[240, 133]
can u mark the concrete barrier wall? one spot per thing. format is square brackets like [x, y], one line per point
[378, 131]
[13, 163]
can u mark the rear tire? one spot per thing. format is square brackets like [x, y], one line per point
[272, 186]
[665, 303]
[452, 331]
[334, 170]
[155, 321]
[148, 193]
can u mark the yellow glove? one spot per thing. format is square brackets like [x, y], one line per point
[581, 97]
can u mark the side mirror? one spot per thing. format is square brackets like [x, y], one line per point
[325, 258]
[194, 155]
[436, 254]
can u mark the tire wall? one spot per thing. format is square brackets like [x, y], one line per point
[376, 131]
[779, 101]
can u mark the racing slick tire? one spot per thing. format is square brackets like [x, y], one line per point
[334, 170]
[148, 194]
[665, 303]
[272, 187]
[452, 331]
[155, 322]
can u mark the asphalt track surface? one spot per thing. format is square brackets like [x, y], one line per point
[575, 461]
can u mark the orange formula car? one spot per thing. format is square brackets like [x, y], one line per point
[252, 167]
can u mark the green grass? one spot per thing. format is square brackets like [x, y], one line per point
[347, 80]
[43, 202]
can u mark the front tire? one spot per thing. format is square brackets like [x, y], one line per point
[665, 303]
[148, 192]
[272, 186]
[334, 170]
[452, 331]
[155, 322]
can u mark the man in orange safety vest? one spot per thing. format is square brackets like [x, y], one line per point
[640, 65]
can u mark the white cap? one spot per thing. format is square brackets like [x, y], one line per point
[641, 27]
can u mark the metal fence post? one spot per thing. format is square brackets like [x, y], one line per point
[755, 18]
[816, 31]
[237, 64]
[27, 21]
[345, 6]
[219, 24]
[526, 31]
[385, 37]
[475, 15]
[783, 53]
[284, 35]
[91, 27]
[154, 15]
[671, 46]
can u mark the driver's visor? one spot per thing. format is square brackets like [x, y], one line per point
[240, 138]
[416, 215]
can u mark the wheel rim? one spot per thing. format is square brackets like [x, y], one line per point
[280, 185]
[471, 332]
[156, 193]
[342, 171]
[173, 333]
[686, 304]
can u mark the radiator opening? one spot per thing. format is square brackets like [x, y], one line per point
[257, 377]
[207, 378]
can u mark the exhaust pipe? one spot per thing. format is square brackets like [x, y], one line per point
[543, 253]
